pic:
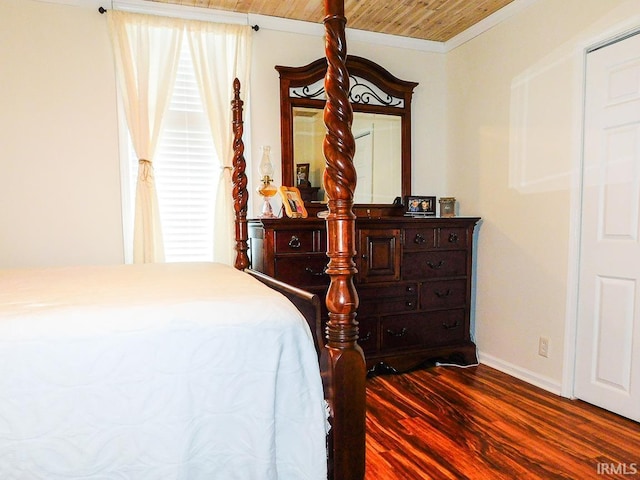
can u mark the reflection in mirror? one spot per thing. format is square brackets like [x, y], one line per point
[377, 158]
[308, 134]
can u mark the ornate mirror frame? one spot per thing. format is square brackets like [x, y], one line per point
[373, 89]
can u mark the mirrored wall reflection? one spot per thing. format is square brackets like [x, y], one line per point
[378, 157]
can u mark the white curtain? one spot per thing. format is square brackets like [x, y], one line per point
[220, 54]
[146, 49]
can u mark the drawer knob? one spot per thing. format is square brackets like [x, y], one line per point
[453, 238]
[442, 294]
[456, 324]
[409, 304]
[294, 242]
[401, 333]
[435, 266]
[313, 272]
[419, 239]
[410, 289]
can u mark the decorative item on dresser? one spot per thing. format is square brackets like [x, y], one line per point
[447, 207]
[414, 282]
[266, 189]
[292, 202]
[420, 206]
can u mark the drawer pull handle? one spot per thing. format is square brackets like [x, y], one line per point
[401, 333]
[443, 294]
[294, 242]
[453, 238]
[449, 327]
[436, 266]
[366, 338]
[419, 239]
[314, 273]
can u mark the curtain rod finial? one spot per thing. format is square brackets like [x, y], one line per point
[255, 27]
[102, 10]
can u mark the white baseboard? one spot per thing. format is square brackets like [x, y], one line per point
[523, 374]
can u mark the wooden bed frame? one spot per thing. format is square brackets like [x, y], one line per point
[342, 362]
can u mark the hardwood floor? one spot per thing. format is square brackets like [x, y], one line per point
[478, 423]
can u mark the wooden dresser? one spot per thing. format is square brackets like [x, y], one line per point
[413, 281]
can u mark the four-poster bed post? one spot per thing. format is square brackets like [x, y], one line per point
[342, 360]
[239, 180]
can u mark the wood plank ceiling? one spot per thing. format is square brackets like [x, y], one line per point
[435, 20]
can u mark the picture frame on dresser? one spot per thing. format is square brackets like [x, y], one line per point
[292, 202]
[420, 206]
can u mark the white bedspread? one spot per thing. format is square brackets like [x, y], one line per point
[164, 371]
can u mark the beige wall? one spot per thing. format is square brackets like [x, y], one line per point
[59, 173]
[514, 106]
[59, 169]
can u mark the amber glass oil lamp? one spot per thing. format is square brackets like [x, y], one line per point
[266, 189]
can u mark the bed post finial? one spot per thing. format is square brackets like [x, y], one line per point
[239, 179]
[342, 357]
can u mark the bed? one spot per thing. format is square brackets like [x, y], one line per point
[178, 371]
[154, 371]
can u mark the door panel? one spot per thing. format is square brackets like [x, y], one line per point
[608, 333]
[379, 255]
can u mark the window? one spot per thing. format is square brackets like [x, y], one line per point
[186, 172]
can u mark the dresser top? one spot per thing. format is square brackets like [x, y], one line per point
[407, 221]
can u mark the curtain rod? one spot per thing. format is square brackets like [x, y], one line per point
[103, 10]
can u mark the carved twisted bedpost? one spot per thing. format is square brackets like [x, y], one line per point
[239, 179]
[342, 358]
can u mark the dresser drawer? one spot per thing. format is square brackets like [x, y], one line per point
[368, 333]
[389, 298]
[387, 290]
[419, 238]
[443, 294]
[452, 237]
[303, 241]
[426, 238]
[446, 327]
[434, 264]
[422, 329]
[382, 305]
[302, 270]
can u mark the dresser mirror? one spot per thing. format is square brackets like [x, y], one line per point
[381, 128]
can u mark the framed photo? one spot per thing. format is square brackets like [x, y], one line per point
[292, 202]
[302, 175]
[420, 206]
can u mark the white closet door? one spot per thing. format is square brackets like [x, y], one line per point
[608, 336]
